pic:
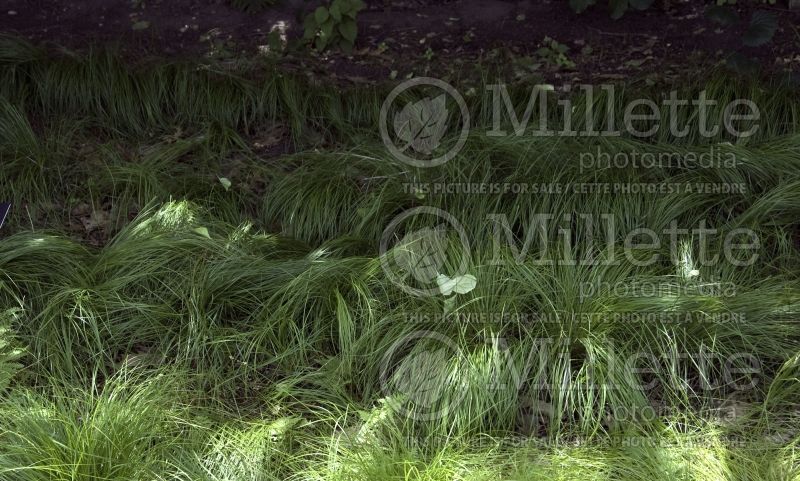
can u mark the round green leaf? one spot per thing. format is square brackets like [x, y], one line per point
[321, 14]
[320, 43]
[309, 27]
[326, 29]
[349, 30]
[335, 12]
[357, 5]
[458, 284]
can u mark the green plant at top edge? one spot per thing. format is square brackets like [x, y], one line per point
[333, 25]
[252, 6]
[617, 8]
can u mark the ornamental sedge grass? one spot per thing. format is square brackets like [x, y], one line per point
[242, 328]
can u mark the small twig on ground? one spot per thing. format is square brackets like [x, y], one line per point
[627, 34]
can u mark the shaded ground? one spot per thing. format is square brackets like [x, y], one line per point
[413, 37]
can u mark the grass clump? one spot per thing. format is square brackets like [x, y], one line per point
[192, 307]
[125, 430]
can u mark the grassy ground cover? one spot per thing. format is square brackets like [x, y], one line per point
[177, 304]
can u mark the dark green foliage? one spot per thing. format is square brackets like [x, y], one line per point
[762, 27]
[616, 8]
[232, 321]
[253, 6]
[333, 25]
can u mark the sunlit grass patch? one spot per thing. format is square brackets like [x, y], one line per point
[177, 304]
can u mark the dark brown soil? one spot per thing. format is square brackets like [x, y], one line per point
[443, 38]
